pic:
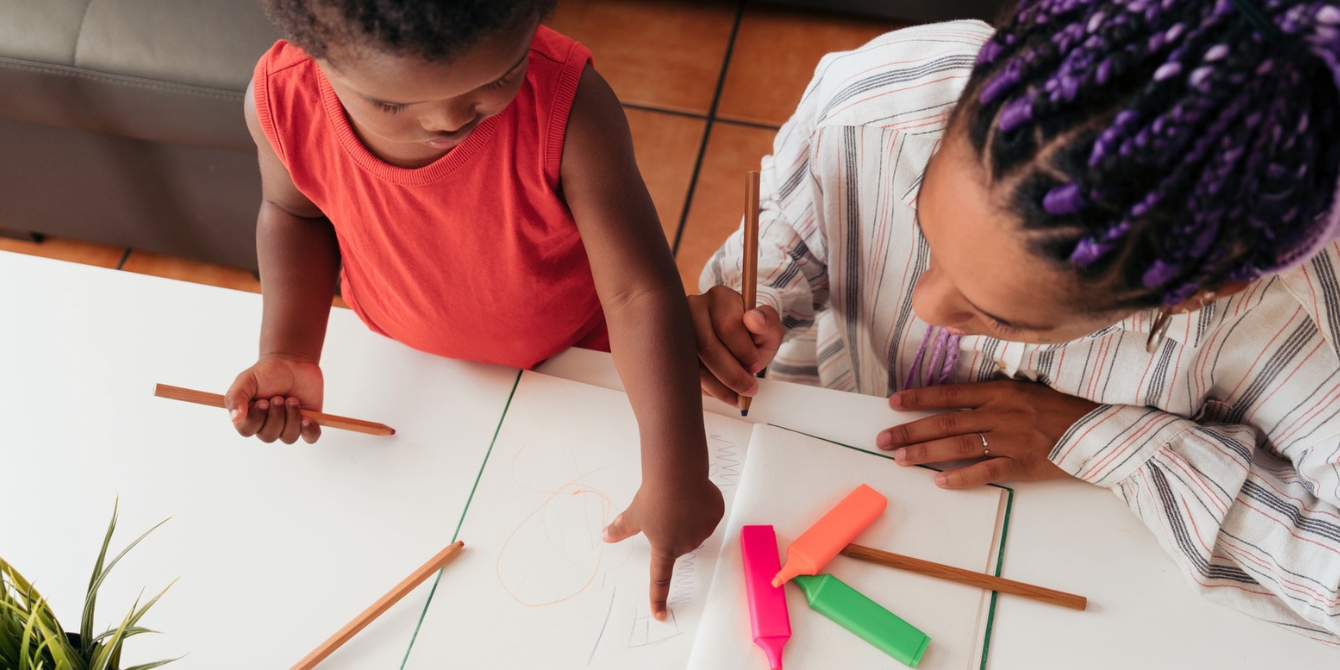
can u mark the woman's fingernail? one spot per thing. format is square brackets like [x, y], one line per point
[900, 456]
[896, 400]
[292, 402]
[234, 413]
[306, 422]
[883, 440]
[940, 479]
[660, 616]
[262, 405]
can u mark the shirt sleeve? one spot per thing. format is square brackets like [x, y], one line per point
[792, 269]
[1253, 526]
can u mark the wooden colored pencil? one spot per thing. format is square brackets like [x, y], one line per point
[378, 608]
[968, 577]
[327, 420]
[749, 278]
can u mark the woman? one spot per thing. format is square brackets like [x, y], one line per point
[1116, 219]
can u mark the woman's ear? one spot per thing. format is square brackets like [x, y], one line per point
[1203, 298]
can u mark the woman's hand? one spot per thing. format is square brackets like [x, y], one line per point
[677, 519]
[733, 345]
[266, 398]
[1020, 423]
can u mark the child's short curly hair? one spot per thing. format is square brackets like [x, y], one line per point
[435, 30]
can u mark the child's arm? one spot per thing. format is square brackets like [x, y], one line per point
[299, 262]
[651, 334]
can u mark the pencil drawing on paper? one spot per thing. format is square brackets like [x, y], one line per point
[563, 534]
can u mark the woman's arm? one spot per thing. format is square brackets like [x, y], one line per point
[1246, 529]
[299, 262]
[677, 507]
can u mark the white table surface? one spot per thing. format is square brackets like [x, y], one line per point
[278, 546]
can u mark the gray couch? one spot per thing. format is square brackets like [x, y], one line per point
[121, 122]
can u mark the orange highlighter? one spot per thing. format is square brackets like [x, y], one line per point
[827, 537]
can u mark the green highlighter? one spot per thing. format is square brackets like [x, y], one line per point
[830, 597]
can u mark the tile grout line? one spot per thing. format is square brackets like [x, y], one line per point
[662, 110]
[707, 131]
[700, 117]
[124, 257]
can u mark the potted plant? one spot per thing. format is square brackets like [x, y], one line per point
[32, 639]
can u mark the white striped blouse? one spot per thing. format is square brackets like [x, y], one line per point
[1225, 441]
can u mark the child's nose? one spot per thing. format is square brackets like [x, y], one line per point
[449, 118]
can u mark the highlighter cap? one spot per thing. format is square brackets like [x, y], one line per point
[830, 534]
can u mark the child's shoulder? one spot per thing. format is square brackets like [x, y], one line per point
[557, 47]
[895, 74]
[282, 56]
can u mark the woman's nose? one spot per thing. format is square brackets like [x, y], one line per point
[937, 302]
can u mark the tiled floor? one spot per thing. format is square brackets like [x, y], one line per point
[705, 84]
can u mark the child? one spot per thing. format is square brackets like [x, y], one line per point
[1122, 209]
[470, 179]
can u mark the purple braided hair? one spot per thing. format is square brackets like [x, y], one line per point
[943, 357]
[1164, 146]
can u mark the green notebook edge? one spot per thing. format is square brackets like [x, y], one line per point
[1000, 550]
[461, 521]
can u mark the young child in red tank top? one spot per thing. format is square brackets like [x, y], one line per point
[468, 178]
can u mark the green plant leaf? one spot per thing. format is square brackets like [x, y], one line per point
[58, 647]
[130, 631]
[25, 658]
[100, 573]
[155, 664]
[91, 596]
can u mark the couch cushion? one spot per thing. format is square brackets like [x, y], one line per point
[162, 70]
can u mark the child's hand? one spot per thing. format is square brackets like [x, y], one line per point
[677, 519]
[280, 386]
[733, 345]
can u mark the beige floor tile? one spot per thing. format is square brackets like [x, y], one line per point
[158, 265]
[775, 55]
[658, 53]
[666, 147]
[718, 199]
[75, 251]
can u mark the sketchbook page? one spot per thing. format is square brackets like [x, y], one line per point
[536, 587]
[281, 544]
[790, 480]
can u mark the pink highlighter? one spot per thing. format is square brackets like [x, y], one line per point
[767, 603]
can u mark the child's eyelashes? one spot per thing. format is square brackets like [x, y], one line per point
[508, 78]
[389, 108]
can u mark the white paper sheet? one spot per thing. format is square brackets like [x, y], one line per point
[536, 586]
[276, 546]
[789, 481]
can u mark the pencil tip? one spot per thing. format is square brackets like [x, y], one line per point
[744, 412]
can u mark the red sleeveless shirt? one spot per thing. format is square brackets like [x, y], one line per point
[474, 256]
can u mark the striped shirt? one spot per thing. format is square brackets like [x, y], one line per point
[1225, 441]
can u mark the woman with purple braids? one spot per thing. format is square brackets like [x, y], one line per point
[1107, 234]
